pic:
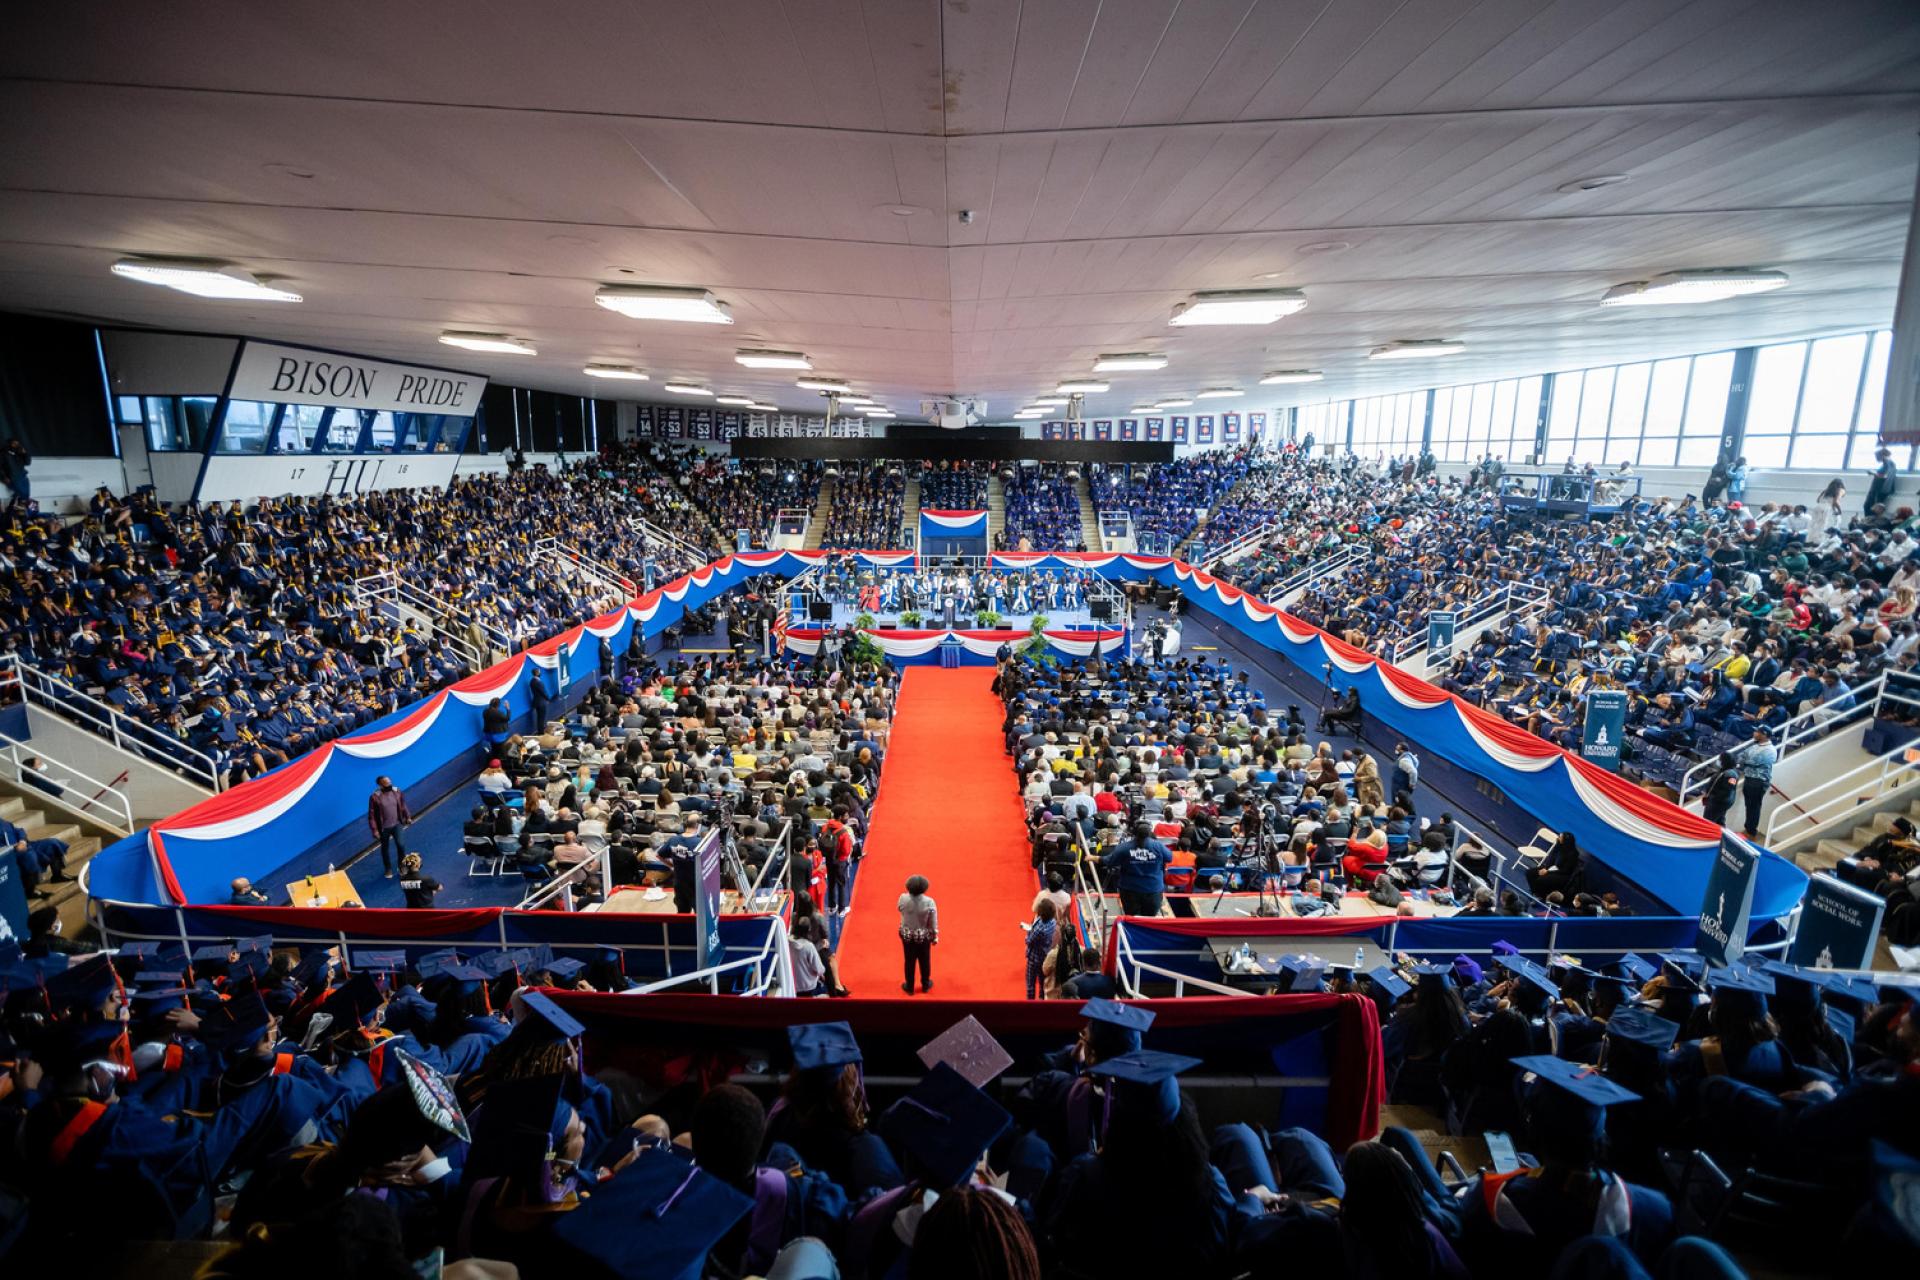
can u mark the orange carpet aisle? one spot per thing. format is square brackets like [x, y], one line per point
[949, 811]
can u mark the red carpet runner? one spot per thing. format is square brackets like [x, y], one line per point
[949, 811]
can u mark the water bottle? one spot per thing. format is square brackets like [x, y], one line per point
[1359, 958]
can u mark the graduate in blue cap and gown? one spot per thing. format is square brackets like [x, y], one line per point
[1421, 1031]
[1065, 1104]
[1518, 1223]
[544, 1040]
[523, 1171]
[658, 1218]
[728, 1132]
[1799, 1007]
[822, 1112]
[1743, 1042]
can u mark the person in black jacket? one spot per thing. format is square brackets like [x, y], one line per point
[416, 884]
[496, 726]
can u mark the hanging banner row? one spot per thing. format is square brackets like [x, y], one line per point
[1200, 429]
[678, 422]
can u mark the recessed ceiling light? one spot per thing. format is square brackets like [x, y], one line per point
[1050, 402]
[646, 302]
[1680, 287]
[202, 278]
[1079, 386]
[1592, 184]
[902, 210]
[1238, 306]
[1323, 246]
[497, 343]
[772, 360]
[822, 384]
[1172, 404]
[1129, 363]
[1280, 377]
[627, 372]
[1218, 393]
[1416, 349]
[686, 389]
[733, 399]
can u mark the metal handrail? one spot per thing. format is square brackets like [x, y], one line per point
[104, 720]
[389, 587]
[1124, 960]
[1531, 598]
[752, 895]
[780, 979]
[1802, 817]
[1085, 867]
[1246, 543]
[1814, 723]
[608, 578]
[649, 531]
[10, 752]
[576, 874]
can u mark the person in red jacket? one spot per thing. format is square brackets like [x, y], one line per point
[836, 841]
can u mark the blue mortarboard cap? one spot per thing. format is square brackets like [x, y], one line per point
[87, 982]
[944, 1125]
[821, 1045]
[1681, 970]
[435, 961]
[1383, 977]
[1794, 985]
[163, 977]
[380, 961]
[1739, 977]
[1642, 1027]
[215, 953]
[464, 973]
[140, 950]
[1147, 1078]
[261, 942]
[356, 999]
[1635, 968]
[1841, 1021]
[313, 967]
[1468, 970]
[251, 964]
[564, 966]
[656, 1221]
[1580, 1081]
[1130, 1016]
[154, 1001]
[543, 1008]
[1847, 987]
[1532, 974]
[1303, 972]
[236, 1025]
[495, 963]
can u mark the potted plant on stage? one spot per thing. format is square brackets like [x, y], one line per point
[864, 622]
[987, 618]
[1035, 647]
[911, 618]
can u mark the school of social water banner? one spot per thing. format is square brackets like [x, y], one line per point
[1839, 926]
[1606, 724]
[1728, 903]
[1439, 636]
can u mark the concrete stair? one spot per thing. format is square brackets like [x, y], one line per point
[996, 509]
[910, 511]
[822, 511]
[1827, 852]
[1089, 517]
[82, 841]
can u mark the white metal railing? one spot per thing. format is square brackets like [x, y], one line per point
[1086, 867]
[595, 574]
[1244, 545]
[60, 697]
[561, 886]
[1828, 804]
[1129, 968]
[1814, 723]
[1512, 599]
[101, 802]
[769, 972]
[390, 591]
[651, 533]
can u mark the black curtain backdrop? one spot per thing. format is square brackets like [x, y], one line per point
[51, 393]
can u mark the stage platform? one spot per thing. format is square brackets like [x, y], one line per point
[1057, 619]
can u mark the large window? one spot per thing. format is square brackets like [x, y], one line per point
[1816, 405]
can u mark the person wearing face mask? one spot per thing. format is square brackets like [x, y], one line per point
[387, 818]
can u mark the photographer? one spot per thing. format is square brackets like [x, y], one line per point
[1344, 714]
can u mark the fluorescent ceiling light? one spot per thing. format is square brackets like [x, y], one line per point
[1129, 363]
[853, 400]
[1680, 287]
[498, 343]
[686, 389]
[1416, 349]
[626, 372]
[1218, 393]
[1050, 402]
[765, 408]
[733, 399]
[1028, 415]
[1079, 386]
[822, 384]
[1143, 408]
[1172, 404]
[1280, 377]
[645, 302]
[1238, 306]
[201, 278]
[772, 360]
[875, 411]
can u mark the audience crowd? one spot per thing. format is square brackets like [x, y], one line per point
[867, 505]
[1043, 509]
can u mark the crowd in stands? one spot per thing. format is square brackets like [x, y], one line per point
[1167, 499]
[867, 504]
[1043, 509]
[748, 495]
[954, 486]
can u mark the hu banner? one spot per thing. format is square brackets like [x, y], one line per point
[1103, 428]
[1256, 426]
[1440, 636]
[1053, 431]
[1230, 428]
[1179, 430]
[1728, 904]
[1156, 428]
[1606, 725]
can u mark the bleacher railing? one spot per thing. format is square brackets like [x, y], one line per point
[1512, 600]
[58, 697]
[1243, 546]
[1809, 726]
[1839, 801]
[594, 574]
[387, 591]
[80, 792]
[651, 533]
[770, 973]
[1334, 564]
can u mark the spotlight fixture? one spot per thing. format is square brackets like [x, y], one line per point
[1416, 349]
[1281, 377]
[1129, 363]
[772, 360]
[202, 278]
[1218, 393]
[686, 389]
[497, 343]
[1238, 306]
[646, 302]
[624, 372]
[822, 384]
[1682, 287]
[1080, 386]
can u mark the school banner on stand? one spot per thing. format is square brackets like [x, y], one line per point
[1605, 726]
[706, 900]
[1839, 926]
[1439, 636]
[13, 899]
[1727, 906]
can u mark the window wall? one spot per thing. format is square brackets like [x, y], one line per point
[1389, 425]
[1488, 417]
[1816, 405]
[1326, 423]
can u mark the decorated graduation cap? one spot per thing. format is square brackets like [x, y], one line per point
[540, 1007]
[1146, 1081]
[969, 1049]
[1642, 1027]
[656, 1220]
[1468, 970]
[432, 1096]
[943, 1126]
[1389, 983]
[820, 1046]
[1114, 1028]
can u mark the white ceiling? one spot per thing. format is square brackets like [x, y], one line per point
[486, 165]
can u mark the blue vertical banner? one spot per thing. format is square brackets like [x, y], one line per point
[1440, 625]
[1053, 431]
[1230, 428]
[1728, 903]
[1605, 726]
[706, 900]
[1179, 430]
[1129, 428]
[13, 898]
[1256, 426]
[1103, 428]
[1156, 428]
[1839, 926]
[1203, 429]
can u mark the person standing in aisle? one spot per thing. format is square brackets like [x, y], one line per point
[919, 932]
[1042, 933]
[387, 817]
[1756, 777]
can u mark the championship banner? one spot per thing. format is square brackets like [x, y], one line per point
[700, 424]
[936, 525]
[1053, 431]
[1179, 430]
[1103, 428]
[1727, 905]
[1156, 428]
[1439, 636]
[730, 426]
[1129, 428]
[1606, 725]
[1839, 926]
[673, 422]
[706, 900]
[1203, 429]
[1230, 428]
[1256, 426]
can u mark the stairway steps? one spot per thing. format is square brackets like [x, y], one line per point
[996, 509]
[1089, 515]
[910, 512]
